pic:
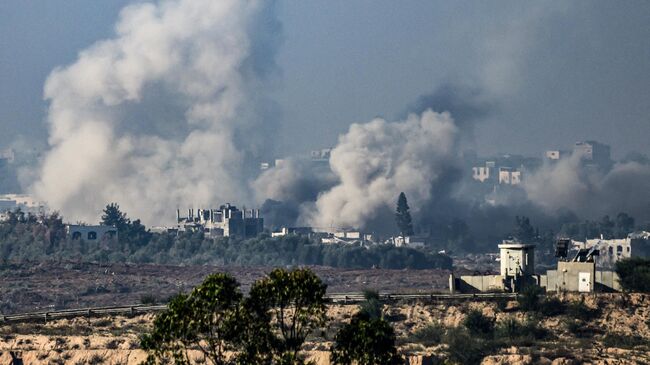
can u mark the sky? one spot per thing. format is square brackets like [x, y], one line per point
[549, 73]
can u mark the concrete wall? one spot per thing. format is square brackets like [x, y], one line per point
[607, 281]
[480, 283]
[568, 277]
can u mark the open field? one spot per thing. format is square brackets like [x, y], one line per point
[48, 286]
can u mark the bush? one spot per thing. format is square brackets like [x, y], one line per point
[552, 306]
[634, 274]
[515, 331]
[624, 342]
[478, 324]
[429, 335]
[529, 298]
[148, 299]
[574, 326]
[372, 306]
[464, 348]
[579, 310]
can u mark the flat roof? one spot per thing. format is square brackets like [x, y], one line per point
[517, 245]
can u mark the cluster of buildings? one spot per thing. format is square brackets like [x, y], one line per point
[24, 202]
[225, 221]
[510, 170]
[576, 269]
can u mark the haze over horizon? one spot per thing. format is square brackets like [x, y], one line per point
[560, 71]
[171, 103]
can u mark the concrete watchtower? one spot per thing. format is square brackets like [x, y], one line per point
[517, 259]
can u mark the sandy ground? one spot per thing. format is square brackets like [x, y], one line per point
[114, 340]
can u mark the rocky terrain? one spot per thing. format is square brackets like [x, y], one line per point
[616, 332]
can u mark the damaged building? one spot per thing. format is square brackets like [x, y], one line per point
[227, 221]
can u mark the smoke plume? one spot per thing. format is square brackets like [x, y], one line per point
[154, 117]
[376, 161]
[568, 185]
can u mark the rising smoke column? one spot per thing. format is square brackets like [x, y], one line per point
[377, 160]
[200, 57]
[568, 185]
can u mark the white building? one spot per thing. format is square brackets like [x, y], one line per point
[407, 241]
[90, 232]
[517, 259]
[613, 250]
[227, 221]
[509, 176]
[484, 173]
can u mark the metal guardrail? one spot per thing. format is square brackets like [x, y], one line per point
[337, 298]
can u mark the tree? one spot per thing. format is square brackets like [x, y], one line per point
[207, 319]
[478, 324]
[133, 234]
[368, 339]
[403, 216]
[113, 216]
[294, 301]
[634, 274]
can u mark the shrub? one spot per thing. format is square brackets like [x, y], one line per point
[464, 348]
[529, 298]
[113, 344]
[478, 324]
[96, 359]
[623, 341]
[372, 306]
[552, 306]
[634, 274]
[429, 335]
[514, 330]
[574, 326]
[579, 310]
[148, 299]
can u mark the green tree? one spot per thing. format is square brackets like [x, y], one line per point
[403, 216]
[207, 319]
[133, 234]
[113, 216]
[368, 339]
[294, 302]
[634, 274]
[365, 341]
[478, 324]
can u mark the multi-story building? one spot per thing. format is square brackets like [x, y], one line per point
[612, 250]
[594, 153]
[509, 176]
[227, 221]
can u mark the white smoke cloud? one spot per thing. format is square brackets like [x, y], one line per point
[200, 52]
[568, 185]
[375, 161]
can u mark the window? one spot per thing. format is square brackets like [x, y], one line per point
[619, 249]
[92, 235]
[611, 250]
[76, 235]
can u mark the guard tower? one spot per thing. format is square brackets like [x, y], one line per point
[517, 259]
